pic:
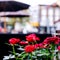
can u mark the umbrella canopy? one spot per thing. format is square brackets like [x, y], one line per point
[12, 6]
[16, 16]
[21, 13]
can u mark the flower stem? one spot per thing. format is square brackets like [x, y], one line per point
[31, 56]
[14, 52]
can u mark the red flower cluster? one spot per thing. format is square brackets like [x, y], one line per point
[41, 45]
[23, 42]
[29, 38]
[14, 41]
[32, 38]
[49, 40]
[46, 41]
[56, 40]
[29, 48]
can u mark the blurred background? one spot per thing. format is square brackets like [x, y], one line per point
[22, 16]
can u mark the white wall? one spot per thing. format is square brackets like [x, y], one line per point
[34, 13]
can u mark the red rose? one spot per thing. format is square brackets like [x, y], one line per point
[36, 46]
[17, 40]
[47, 40]
[23, 42]
[58, 48]
[37, 38]
[41, 45]
[32, 37]
[29, 48]
[14, 40]
[56, 42]
[53, 39]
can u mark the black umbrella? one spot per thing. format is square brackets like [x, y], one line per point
[12, 6]
[22, 13]
[16, 16]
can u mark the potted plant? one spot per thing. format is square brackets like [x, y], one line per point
[32, 49]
